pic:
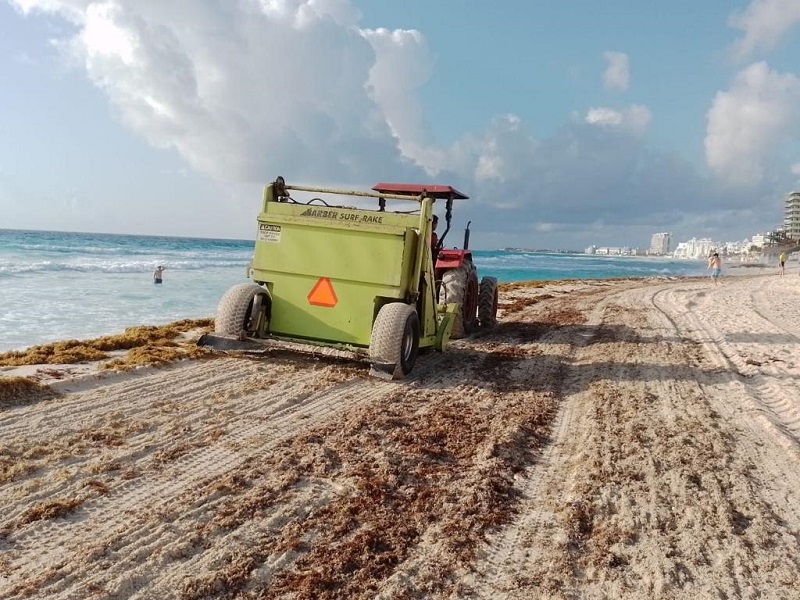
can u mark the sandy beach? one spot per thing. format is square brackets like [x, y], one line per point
[608, 439]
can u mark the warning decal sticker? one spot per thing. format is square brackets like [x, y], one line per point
[269, 233]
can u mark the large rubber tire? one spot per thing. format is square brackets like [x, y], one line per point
[487, 302]
[461, 287]
[395, 337]
[233, 311]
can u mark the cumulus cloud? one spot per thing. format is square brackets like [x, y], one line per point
[603, 116]
[580, 179]
[616, 76]
[402, 65]
[248, 90]
[504, 152]
[764, 23]
[747, 123]
[245, 90]
[635, 118]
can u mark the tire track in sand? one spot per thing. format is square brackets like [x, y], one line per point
[767, 388]
[645, 490]
[762, 405]
[510, 549]
[176, 463]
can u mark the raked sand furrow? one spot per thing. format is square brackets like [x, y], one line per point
[761, 434]
[773, 391]
[670, 471]
[773, 386]
[118, 444]
[513, 551]
[185, 383]
[650, 436]
[184, 486]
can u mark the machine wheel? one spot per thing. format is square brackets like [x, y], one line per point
[487, 302]
[395, 338]
[235, 310]
[461, 287]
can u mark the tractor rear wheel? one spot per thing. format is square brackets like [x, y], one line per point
[235, 314]
[461, 287]
[487, 302]
[395, 338]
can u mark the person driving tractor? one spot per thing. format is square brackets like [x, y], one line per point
[434, 238]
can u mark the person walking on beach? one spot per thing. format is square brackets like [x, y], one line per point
[158, 274]
[782, 261]
[715, 264]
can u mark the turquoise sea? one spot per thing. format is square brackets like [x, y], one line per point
[58, 286]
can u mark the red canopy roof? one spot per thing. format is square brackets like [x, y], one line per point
[415, 189]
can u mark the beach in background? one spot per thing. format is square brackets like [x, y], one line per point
[57, 286]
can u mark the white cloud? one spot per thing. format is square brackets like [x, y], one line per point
[72, 11]
[504, 151]
[402, 65]
[635, 118]
[103, 37]
[603, 116]
[795, 168]
[616, 75]
[747, 123]
[303, 13]
[247, 90]
[764, 23]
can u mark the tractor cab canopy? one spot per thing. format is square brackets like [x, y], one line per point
[437, 192]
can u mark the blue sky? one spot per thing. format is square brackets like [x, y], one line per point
[568, 123]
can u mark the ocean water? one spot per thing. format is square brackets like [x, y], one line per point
[58, 286]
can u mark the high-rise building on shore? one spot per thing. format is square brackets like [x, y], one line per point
[695, 248]
[791, 216]
[660, 243]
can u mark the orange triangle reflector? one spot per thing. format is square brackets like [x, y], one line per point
[322, 294]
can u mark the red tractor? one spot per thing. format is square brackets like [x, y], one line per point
[454, 270]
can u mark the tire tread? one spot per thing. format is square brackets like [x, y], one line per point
[233, 306]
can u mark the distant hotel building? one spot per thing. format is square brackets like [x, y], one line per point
[660, 243]
[791, 216]
[695, 248]
[612, 251]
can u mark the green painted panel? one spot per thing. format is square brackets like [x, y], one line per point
[356, 255]
[349, 321]
[364, 254]
[339, 217]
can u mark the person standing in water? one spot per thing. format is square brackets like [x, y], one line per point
[715, 264]
[158, 274]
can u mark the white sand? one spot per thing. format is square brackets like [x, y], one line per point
[606, 440]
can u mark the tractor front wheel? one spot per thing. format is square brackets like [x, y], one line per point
[241, 309]
[461, 287]
[487, 302]
[395, 338]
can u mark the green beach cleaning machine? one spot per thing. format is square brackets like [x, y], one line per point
[360, 283]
